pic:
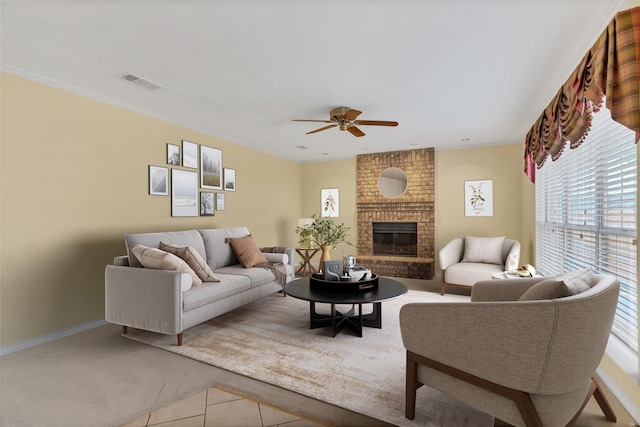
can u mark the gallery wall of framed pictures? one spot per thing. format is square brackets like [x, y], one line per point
[196, 170]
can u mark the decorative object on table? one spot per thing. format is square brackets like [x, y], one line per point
[189, 154]
[345, 283]
[220, 202]
[184, 193]
[330, 198]
[305, 232]
[358, 272]
[478, 198]
[207, 204]
[332, 270]
[348, 262]
[229, 179]
[327, 234]
[526, 270]
[210, 168]
[173, 155]
[158, 181]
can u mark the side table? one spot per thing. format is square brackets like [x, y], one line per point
[307, 254]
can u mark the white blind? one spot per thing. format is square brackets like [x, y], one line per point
[586, 214]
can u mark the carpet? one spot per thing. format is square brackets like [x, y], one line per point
[270, 341]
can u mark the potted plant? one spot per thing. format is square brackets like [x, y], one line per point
[324, 233]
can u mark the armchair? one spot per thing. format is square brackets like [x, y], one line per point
[467, 260]
[526, 362]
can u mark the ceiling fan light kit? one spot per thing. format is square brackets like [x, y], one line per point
[345, 119]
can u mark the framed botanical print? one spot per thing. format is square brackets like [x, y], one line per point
[478, 198]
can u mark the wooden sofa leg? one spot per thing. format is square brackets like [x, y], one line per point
[412, 386]
[180, 338]
[124, 330]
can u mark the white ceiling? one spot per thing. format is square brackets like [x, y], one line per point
[242, 70]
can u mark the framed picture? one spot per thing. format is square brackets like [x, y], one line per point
[158, 181]
[207, 204]
[210, 168]
[229, 179]
[184, 193]
[173, 155]
[478, 198]
[189, 154]
[220, 201]
[330, 202]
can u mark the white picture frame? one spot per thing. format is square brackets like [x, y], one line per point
[330, 202]
[220, 201]
[189, 154]
[210, 168]
[229, 179]
[184, 193]
[478, 198]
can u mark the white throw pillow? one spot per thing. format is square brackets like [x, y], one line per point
[486, 250]
[276, 257]
[161, 260]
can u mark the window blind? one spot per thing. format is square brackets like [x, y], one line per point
[586, 214]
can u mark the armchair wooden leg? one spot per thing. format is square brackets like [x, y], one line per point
[442, 282]
[124, 330]
[595, 390]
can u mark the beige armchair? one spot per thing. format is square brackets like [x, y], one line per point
[465, 261]
[512, 352]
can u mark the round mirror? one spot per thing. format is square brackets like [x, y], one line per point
[392, 182]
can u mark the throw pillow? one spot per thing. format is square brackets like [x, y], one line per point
[277, 258]
[247, 251]
[563, 285]
[161, 260]
[193, 259]
[487, 250]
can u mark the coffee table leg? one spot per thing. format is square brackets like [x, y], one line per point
[373, 319]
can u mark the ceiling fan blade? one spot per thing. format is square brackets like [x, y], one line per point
[305, 120]
[322, 128]
[375, 123]
[352, 114]
[355, 131]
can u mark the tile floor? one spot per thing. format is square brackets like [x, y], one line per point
[216, 407]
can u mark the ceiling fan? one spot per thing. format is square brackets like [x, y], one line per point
[345, 119]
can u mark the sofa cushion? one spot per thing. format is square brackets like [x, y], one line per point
[218, 249]
[247, 251]
[564, 285]
[161, 260]
[257, 276]
[486, 250]
[184, 238]
[468, 273]
[193, 259]
[214, 291]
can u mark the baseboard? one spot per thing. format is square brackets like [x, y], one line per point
[7, 349]
[619, 394]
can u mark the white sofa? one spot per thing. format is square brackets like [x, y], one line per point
[465, 261]
[167, 301]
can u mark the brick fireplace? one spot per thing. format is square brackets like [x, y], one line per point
[416, 205]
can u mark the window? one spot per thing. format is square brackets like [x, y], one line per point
[586, 214]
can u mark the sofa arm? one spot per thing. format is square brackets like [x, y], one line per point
[451, 253]
[502, 290]
[503, 342]
[145, 298]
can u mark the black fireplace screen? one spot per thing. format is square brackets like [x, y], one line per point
[395, 238]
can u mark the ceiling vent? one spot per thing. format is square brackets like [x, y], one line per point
[139, 81]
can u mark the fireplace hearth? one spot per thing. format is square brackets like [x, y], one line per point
[395, 238]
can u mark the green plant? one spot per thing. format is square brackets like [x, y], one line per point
[324, 232]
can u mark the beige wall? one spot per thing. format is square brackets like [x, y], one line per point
[74, 179]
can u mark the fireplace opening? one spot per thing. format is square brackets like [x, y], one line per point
[395, 238]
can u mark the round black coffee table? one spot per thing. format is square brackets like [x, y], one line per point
[386, 290]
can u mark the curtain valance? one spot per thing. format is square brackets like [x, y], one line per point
[611, 70]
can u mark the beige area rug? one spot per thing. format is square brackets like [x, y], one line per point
[270, 341]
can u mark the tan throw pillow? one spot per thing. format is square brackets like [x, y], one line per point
[487, 250]
[193, 259]
[161, 260]
[247, 251]
[564, 285]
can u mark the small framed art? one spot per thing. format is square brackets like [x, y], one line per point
[220, 202]
[173, 155]
[158, 181]
[210, 168]
[207, 204]
[330, 202]
[189, 154]
[229, 179]
[478, 198]
[184, 193]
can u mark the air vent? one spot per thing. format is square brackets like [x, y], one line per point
[302, 147]
[139, 81]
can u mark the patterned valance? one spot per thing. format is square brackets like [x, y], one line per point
[611, 69]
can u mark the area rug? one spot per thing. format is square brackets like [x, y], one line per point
[270, 341]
